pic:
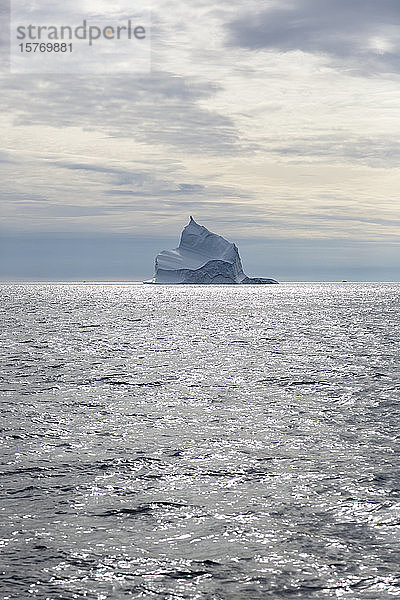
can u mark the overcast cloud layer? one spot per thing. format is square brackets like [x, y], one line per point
[359, 34]
[280, 122]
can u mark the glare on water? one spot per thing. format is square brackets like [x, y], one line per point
[202, 442]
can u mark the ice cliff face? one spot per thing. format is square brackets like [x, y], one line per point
[202, 257]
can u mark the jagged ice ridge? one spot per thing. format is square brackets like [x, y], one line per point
[202, 257]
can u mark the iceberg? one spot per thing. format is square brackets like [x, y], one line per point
[202, 257]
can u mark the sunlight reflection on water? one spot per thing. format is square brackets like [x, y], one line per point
[200, 442]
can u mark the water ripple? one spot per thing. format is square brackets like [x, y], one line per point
[200, 442]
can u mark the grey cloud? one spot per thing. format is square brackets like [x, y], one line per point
[376, 151]
[119, 176]
[150, 184]
[86, 167]
[5, 157]
[200, 192]
[351, 218]
[342, 29]
[151, 194]
[156, 109]
[23, 198]
[50, 210]
[146, 182]
[147, 190]
[4, 32]
[189, 188]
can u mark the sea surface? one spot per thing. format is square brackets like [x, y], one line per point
[200, 442]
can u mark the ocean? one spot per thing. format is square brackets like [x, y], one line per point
[200, 442]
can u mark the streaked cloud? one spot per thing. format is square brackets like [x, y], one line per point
[153, 109]
[361, 34]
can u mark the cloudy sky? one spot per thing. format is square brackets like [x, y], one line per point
[274, 123]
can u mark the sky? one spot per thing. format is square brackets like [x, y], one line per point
[273, 123]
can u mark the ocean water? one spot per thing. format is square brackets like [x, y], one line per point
[200, 442]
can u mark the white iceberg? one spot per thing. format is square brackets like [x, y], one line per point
[202, 257]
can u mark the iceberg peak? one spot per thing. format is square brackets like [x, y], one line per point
[202, 257]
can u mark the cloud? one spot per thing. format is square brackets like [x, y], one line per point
[251, 143]
[148, 184]
[143, 180]
[5, 157]
[375, 151]
[65, 195]
[363, 34]
[154, 109]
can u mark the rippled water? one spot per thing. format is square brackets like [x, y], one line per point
[200, 442]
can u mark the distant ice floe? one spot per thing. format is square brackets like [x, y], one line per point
[202, 257]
